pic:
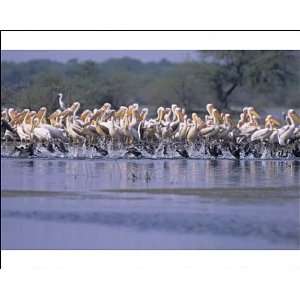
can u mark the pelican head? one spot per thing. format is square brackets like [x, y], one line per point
[160, 113]
[274, 122]
[293, 115]
[121, 112]
[4, 114]
[217, 117]
[160, 109]
[268, 118]
[66, 112]
[85, 114]
[144, 113]
[75, 106]
[245, 109]
[129, 110]
[177, 110]
[10, 111]
[251, 111]
[168, 110]
[43, 109]
[107, 106]
[135, 106]
[22, 114]
[35, 122]
[194, 117]
[227, 119]
[173, 107]
[209, 108]
[55, 114]
[112, 113]
[122, 108]
[268, 121]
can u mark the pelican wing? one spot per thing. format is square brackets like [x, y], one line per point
[104, 129]
[141, 130]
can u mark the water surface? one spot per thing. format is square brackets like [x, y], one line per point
[149, 204]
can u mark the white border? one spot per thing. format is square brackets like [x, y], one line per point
[154, 14]
[150, 275]
[104, 40]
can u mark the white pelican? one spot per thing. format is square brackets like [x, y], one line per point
[264, 133]
[41, 134]
[25, 126]
[193, 131]
[289, 131]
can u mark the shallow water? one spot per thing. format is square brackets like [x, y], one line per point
[150, 204]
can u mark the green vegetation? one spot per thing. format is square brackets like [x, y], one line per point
[229, 79]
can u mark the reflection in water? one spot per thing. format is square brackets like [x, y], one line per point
[25, 163]
[190, 204]
[89, 174]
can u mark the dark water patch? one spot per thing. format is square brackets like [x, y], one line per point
[258, 194]
[291, 193]
[180, 223]
[64, 195]
[34, 193]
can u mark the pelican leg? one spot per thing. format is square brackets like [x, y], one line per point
[296, 150]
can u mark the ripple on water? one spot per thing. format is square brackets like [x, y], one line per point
[150, 204]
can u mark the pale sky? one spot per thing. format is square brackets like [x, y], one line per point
[100, 55]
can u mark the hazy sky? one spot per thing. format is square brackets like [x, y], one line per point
[101, 55]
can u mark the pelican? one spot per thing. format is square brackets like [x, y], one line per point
[40, 134]
[171, 129]
[73, 129]
[264, 133]
[212, 128]
[183, 129]
[251, 125]
[193, 130]
[289, 130]
[24, 125]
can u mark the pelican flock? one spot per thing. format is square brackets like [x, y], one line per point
[129, 130]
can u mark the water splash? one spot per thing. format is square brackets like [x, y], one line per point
[162, 151]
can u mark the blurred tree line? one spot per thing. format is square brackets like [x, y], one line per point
[229, 79]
